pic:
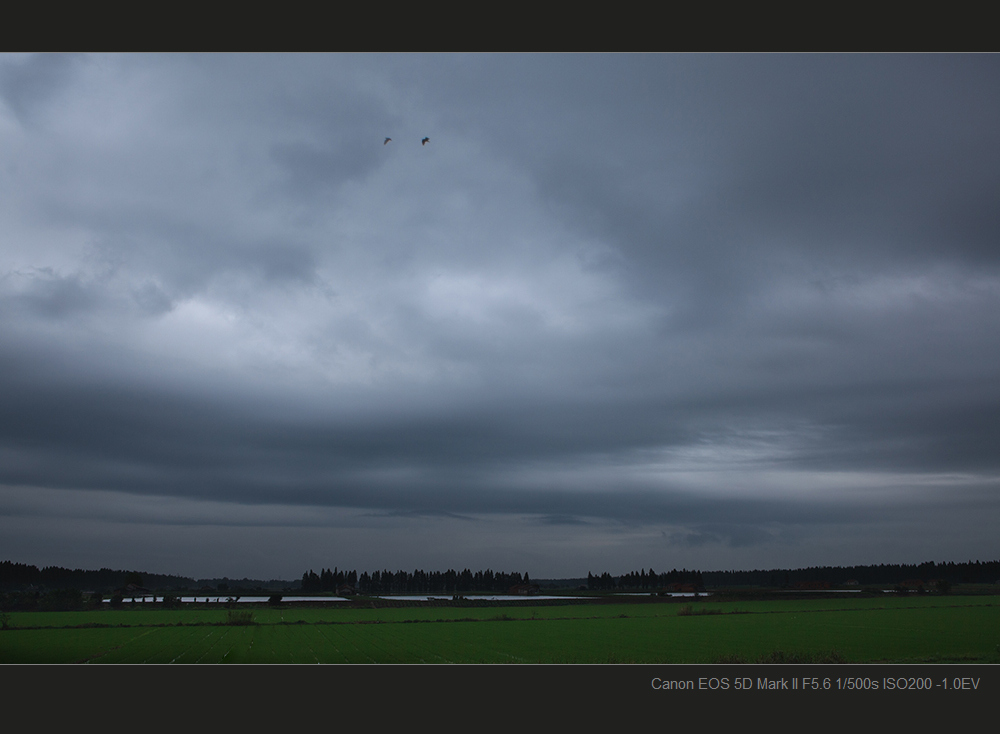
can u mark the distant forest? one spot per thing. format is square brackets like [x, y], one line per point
[22, 576]
[973, 572]
[647, 580]
[450, 582]
[418, 582]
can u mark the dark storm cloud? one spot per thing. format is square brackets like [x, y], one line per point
[134, 440]
[37, 80]
[53, 296]
[312, 169]
[704, 301]
[684, 161]
[886, 166]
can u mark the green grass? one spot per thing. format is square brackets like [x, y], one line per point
[890, 629]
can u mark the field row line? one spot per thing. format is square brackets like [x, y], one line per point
[703, 612]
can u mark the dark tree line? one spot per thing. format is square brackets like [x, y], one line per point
[645, 580]
[973, 572]
[23, 576]
[417, 582]
[20, 576]
[328, 580]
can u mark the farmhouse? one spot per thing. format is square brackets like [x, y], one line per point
[524, 589]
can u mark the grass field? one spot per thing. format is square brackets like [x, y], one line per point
[857, 630]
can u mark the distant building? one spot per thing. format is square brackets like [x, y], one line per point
[524, 589]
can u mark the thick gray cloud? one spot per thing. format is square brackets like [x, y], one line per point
[620, 311]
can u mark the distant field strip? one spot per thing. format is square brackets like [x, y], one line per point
[853, 630]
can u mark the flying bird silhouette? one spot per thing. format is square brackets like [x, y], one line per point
[387, 140]
[424, 141]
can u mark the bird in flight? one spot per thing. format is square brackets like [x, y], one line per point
[387, 140]
[424, 141]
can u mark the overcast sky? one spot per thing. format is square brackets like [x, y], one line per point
[703, 311]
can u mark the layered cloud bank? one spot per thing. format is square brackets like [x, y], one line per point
[619, 311]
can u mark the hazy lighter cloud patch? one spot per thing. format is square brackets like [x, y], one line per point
[476, 273]
[10, 128]
[217, 337]
[759, 468]
[202, 332]
[111, 102]
[560, 300]
[853, 488]
[122, 507]
[287, 336]
[130, 175]
[738, 449]
[762, 464]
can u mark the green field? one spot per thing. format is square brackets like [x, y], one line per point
[856, 630]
